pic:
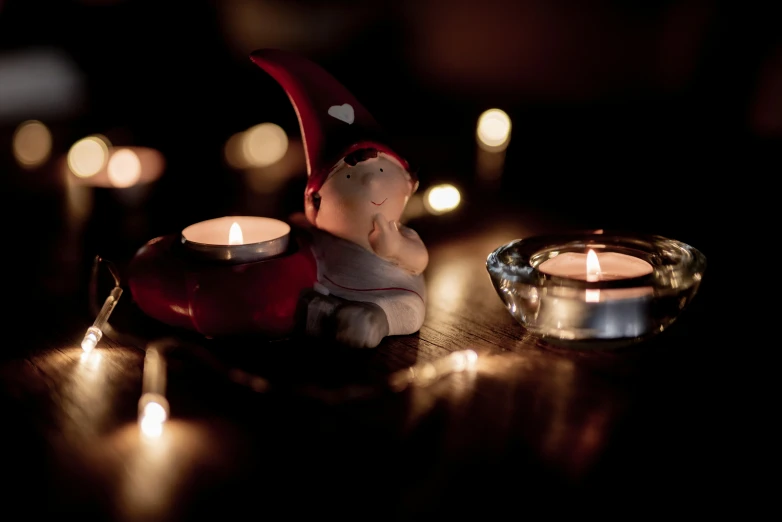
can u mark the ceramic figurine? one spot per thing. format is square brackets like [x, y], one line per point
[370, 268]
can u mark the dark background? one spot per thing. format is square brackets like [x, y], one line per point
[648, 116]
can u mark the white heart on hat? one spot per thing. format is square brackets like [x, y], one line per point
[342, 112]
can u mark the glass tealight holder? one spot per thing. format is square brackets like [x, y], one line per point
[596, 291]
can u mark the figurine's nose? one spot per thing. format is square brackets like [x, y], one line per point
[369, 178]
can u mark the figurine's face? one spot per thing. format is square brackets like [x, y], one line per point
[351, 197]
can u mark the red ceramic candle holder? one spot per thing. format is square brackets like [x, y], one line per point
[173, 284]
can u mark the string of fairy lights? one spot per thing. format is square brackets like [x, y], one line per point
[94, 160]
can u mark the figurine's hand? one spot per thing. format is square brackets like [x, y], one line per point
[385, 237]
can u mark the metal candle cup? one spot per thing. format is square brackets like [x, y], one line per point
[639, 289]
[236, 239]
[208, 283]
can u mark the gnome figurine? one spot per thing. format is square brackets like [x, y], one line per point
[370, 267]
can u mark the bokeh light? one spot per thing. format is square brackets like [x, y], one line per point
[264, 145]
[124, 168]
[32, 144]
[234, 155]
[39, 82]
[88, 156]
[493, 131]
[442, 198]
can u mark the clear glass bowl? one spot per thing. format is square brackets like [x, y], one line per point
[577, 311]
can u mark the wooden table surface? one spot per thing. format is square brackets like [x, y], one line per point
[535, 427]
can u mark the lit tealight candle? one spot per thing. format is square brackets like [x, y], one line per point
[602, 266]
[237, 239]
[595, 291]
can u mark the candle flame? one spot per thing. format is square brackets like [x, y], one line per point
[593, 266]
[593, 274]
[235, 236]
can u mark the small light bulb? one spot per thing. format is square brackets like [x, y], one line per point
[153, 415]
[155, 412]
[95, 332]
[151, 428]
[153, 408]
[91, 338]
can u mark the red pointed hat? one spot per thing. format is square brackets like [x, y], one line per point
[332, 121]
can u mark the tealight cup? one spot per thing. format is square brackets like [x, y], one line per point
[236, 239]
[635, 287]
